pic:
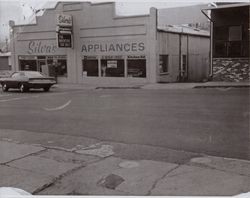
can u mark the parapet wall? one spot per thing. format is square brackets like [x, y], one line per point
[231, 69]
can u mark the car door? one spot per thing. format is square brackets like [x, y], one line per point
[9, 81]
[14, 80]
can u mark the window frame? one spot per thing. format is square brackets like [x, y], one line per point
[161, 62]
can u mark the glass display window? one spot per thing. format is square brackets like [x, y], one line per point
[61, 67]
[136, 68]
[112, 68]
[30, 65]
[90, 67]
[53, 65]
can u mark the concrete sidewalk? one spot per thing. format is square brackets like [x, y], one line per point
[156, 85]
[197, 85]
[97, 168]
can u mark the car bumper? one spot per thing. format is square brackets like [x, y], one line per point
[39, 85]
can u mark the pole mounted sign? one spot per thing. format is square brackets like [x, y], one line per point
[64, 20]
[64, 31]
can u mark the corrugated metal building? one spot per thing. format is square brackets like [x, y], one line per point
[107, 48]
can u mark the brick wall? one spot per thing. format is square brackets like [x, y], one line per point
[231, 70]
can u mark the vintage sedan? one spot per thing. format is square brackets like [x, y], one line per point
[25, 80]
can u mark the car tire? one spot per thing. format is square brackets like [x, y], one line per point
[4, 87]
[46, 89]
[23, 88]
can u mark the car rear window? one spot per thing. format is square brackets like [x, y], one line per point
[33, 74]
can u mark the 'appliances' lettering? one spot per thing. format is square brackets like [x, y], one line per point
[38, 47]
[126, 47]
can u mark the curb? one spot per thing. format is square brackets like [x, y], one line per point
[221, 86]
[133, 87]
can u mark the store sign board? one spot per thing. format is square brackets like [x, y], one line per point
[113, 47]
[136, 57]
[90, 57]
[64, 31]
[64, 20]
[111, 64]
[39, 48]
[112, 57]
[64, 40]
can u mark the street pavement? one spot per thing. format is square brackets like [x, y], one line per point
[100, 169]
[212, 121]
[126, 141]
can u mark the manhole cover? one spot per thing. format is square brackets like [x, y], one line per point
[128, 164]
[201, 160]
[111, 181]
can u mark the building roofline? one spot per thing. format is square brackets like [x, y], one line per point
[175, 31]
[115, 16]
[228, 6]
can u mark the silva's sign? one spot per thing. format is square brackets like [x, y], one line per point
[37, 47]
[64, 20]
[64, 32]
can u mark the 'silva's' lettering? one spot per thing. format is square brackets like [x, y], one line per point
[36, 47]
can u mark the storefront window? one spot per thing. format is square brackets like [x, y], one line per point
[228, 42]
[90, 67]
[49, 65]
[112, 68]
[30, 65]
[136, 68]
[61, 67]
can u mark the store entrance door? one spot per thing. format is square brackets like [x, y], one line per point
[42, 66]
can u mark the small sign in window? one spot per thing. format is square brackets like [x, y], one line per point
[111, 64]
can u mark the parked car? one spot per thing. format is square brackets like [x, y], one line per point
[25, 80]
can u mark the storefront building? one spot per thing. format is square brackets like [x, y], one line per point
[80, 42]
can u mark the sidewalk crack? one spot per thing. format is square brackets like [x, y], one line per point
[24, 156]
[59, 177]
[161, 178]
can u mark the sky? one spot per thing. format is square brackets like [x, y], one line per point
[22, 11]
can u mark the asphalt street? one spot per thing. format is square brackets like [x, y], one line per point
[211, 121]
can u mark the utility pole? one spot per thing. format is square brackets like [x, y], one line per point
[7, 44]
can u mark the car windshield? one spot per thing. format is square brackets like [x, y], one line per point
[33, 74]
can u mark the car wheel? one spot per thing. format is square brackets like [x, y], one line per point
[46, 89]
[23, 88]
[4, 87]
